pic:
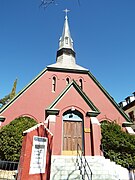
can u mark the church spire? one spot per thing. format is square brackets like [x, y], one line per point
[65, 58]
[65, 53]
[66, 40]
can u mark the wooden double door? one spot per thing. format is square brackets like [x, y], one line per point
[72, 135]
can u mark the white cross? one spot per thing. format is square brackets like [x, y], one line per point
[66, 11]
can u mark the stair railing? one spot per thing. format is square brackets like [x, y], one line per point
[84, 167]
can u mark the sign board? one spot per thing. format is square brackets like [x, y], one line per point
[38, 155]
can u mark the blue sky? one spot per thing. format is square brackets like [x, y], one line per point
[104, 40]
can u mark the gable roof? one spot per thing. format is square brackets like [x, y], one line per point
[36, 127]
[121, 111]
[74, 84]
[23, 90]
[82, 94]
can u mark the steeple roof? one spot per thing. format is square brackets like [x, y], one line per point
[66, 40]
[66, 55]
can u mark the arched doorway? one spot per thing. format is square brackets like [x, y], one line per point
[72, 132]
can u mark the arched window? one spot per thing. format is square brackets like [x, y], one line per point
[81, 83]
[72, 115]
[54, 84]
[67, 81]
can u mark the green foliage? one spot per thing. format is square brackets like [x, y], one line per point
[13, 92]
[4, 100]
[10, 96]
[11, 138]
[118, 145]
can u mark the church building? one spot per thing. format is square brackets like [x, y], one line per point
[69, 100]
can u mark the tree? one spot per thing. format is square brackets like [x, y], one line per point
[13, 92]
[46, 3]
[118, 145]
[11, 138]
[10, 96]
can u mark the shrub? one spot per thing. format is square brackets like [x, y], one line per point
[11, 138]
[118, 145]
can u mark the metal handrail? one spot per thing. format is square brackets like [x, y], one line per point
[84, 163]
[8, 169]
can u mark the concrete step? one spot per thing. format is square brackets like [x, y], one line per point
[66, 168]
[65, 175]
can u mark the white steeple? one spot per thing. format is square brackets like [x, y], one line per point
[65, 58]
[66, 40]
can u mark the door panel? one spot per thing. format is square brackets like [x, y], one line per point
[72, 135]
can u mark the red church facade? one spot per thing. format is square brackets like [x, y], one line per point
[69, 100]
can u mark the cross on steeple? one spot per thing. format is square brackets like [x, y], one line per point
[66, 40]
[66, 11]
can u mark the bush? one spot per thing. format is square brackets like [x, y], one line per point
[11, 138]
[118, 145]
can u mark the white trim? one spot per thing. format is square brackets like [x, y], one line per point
[52, 118]
[130, 130]
[94, 120]
[35, 127]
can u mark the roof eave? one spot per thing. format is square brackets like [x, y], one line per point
[110, 98]
[59, 69]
